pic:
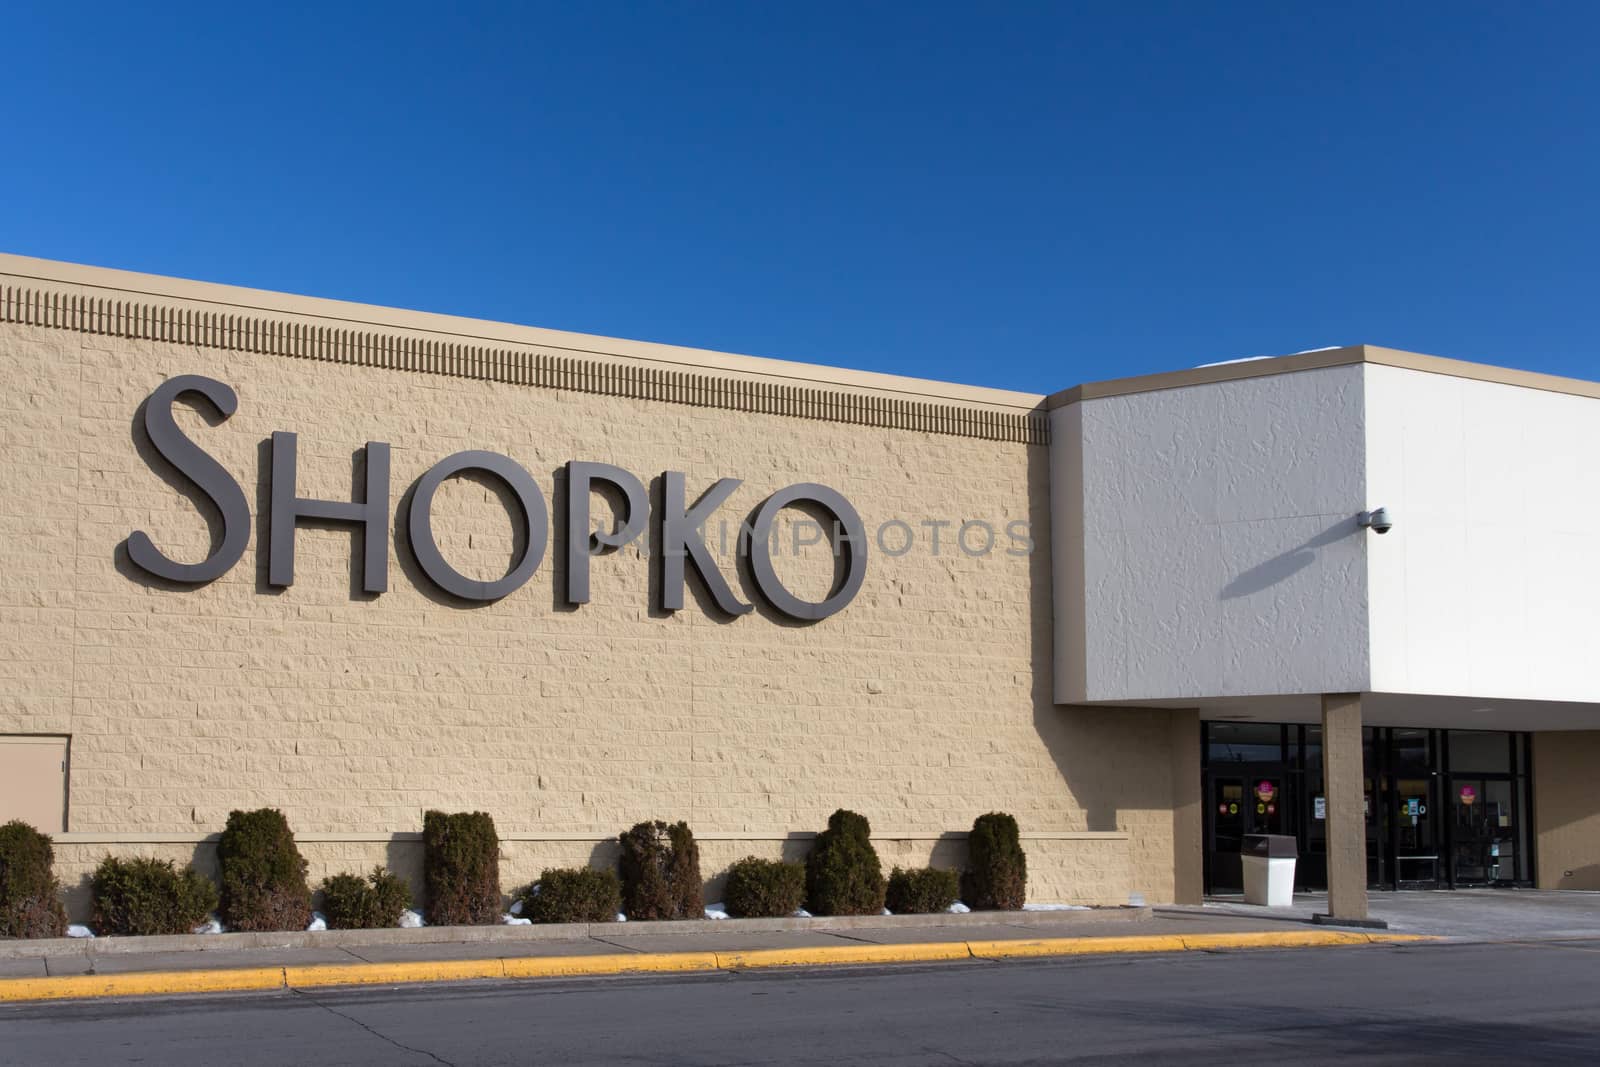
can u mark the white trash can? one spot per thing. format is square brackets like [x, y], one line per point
[1268, 861]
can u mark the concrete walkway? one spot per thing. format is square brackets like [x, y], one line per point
[1459, 915]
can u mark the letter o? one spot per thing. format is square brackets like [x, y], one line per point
[853, 542]
[911, 538]
[535, 519]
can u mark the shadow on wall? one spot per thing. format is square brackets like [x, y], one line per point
[606, 855]
[1111, 760]
[1587, 877]
[1265, 575]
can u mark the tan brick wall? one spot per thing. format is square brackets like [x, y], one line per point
[1566, 809]
[923, 704]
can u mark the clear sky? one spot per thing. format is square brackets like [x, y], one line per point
[1024, 196]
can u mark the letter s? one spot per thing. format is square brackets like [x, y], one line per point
[207, 474]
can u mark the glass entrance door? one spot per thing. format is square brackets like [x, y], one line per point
[1248, 799]
[1442, 807]
[1484, 831]
[1414, 833]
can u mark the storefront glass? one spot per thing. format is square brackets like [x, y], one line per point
[1443, 808]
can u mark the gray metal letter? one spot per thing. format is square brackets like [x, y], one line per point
[852, 541]
[535, 518]
[207, 474]
[581, 542]
[682, 534]
[288, 509]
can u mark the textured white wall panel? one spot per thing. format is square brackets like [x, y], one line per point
[1216, 538]
[1489, 585]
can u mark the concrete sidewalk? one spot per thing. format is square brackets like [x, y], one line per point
[132, 966]
[1460, 914]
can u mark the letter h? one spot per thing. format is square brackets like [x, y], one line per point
[288, 509]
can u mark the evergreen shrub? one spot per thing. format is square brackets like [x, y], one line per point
[573, 895]
[922, 890]
[351, 902]
[764, 889]
[263, 874]
[661, 872]
[30, 900]
[997, 869]
[843, 875]
[139, 897]
[461, 868]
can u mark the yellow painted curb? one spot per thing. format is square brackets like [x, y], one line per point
[391, 973]
[1075, 946]
[811, 957]
[140, 984]
[613, 963]
[256, 978]
[1295, 939]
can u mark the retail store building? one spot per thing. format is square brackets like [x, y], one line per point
[267, 550]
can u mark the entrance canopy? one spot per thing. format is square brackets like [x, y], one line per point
[1213, 544]
[1421, 710]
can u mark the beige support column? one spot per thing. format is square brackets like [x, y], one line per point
[1188, 875]
[1566, 808]
[1346, 823]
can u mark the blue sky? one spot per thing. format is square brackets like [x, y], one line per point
[1024, 196]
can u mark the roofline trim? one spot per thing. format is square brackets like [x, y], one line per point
[96, 300]
[1331, 357]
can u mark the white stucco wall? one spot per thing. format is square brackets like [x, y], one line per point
[1205, 540]
[1489, 584]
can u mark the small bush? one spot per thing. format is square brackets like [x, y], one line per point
[350, 902]
[139, 897]
[661, 872]
[843, 876]
[997, 869]
[764, 889]
[263, 874]
[573, 895]
[922, 890]
[30, 902]
[461, 868]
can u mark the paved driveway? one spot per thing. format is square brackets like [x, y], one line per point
[1419, 1003]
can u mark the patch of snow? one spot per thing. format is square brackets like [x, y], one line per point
[516, 905]
[621, 918]
[411, 920]
[212, 925]
[958, 908]
[512, 920]
[801, 913]
[319, 922]
[1230, 362]
[1055, 907]
[1252, 359]
[885, 911]
[716, 911]
[79, 931]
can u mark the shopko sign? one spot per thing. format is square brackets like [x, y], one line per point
[682, 527]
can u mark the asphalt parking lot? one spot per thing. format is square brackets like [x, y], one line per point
[1417, 1003]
